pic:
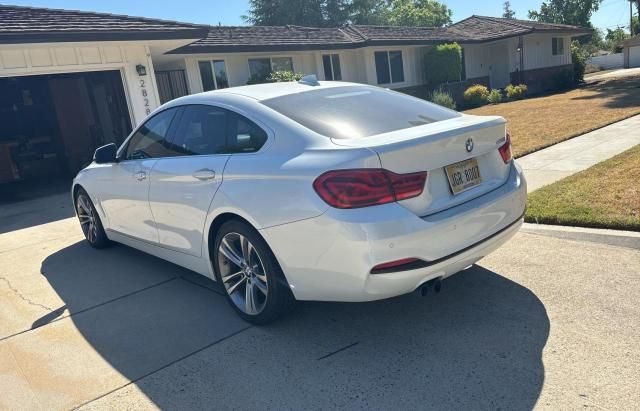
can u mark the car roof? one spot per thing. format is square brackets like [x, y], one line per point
[272, 90]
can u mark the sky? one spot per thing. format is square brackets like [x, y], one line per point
[227, 12]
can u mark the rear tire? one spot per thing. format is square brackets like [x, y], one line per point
[90, 221]
[250, 274]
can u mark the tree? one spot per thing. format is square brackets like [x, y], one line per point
[574, 12]
[374, 12]
[281, 12]
[508, 12]
[333, 13]
[428, 13]
[615, 39]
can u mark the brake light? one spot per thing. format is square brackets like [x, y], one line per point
[505, 149]
[366, 187]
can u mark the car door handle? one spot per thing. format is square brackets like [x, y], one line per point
[140, 175]
[204, 174]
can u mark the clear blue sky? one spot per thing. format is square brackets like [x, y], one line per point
[228, 12]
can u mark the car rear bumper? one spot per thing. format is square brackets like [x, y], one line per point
[330, 257]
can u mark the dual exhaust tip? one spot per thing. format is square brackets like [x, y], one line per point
[436, 284]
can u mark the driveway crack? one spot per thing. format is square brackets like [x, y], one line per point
[22, 297]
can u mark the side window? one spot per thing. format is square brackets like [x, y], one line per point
[202, 130]
[150, 139]
[245, 136]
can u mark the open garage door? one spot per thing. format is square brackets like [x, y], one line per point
[51, 124]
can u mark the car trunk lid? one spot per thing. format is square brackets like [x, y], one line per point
[434, 147]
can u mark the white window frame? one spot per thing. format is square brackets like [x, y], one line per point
[389, 66]
[213, 72]
[333, 74]
[270, 61]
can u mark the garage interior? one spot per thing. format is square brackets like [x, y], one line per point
[51, 125]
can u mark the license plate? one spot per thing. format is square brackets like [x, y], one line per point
[463, 175]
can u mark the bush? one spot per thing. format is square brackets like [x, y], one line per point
[443, 98]
[495, 96]
[516, 92]
[284, 75]
[443, 63]
[476, 95]
[579, 58]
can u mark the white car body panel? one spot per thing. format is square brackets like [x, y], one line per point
[325, 253]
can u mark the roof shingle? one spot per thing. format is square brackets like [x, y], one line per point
[31, 24]
[474, 29]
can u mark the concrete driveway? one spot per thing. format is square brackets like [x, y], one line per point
[551, 320]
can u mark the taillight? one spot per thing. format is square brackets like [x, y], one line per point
[505, 149]
[365, 187]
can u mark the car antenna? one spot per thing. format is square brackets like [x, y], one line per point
[309, 79]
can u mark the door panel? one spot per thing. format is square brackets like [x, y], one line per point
[183, 187]
[181, 192]
[124, 197]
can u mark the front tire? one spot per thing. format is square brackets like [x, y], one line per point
[250, 274]
[90, 221]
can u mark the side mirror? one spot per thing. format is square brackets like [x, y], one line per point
[106, 154]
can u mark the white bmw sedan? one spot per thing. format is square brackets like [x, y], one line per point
[307, 191]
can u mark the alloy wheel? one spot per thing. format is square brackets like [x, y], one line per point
[242, 273]
[87, 218]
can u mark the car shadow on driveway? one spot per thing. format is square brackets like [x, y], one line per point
[476, 344]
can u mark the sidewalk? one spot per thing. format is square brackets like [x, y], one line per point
[569, 157]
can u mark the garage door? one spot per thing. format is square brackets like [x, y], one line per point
[634, 56]
[52, 124]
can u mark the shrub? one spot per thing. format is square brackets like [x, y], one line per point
[284, 75]
[443, 63]
[476, 95]
[579, 58]
[495, 96]
[516, 92]
[443, 98]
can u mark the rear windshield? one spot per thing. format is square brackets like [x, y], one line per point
[354, 112]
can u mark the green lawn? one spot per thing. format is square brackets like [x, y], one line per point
[606, 195]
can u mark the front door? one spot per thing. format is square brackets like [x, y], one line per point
[124, 192]
[182, 187]
[499, 67]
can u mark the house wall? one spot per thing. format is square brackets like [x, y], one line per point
[56, 58]
[537, 52]
[357, 65]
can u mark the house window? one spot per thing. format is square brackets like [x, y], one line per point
[213, 74]
[331, 63]
[260, 68]
[557, 46]
[389, 67]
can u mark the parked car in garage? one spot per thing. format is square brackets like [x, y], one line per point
[307, 191]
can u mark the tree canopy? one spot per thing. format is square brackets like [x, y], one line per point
[574, 12]
[332, 13]
[508, 12]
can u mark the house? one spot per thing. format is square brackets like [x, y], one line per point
[631, 50]
[71, 81]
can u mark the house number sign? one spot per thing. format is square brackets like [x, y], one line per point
[145, 97]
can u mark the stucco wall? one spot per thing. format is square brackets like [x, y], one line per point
[33, 59]
[356, 65]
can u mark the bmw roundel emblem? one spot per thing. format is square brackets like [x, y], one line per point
[469, 145]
